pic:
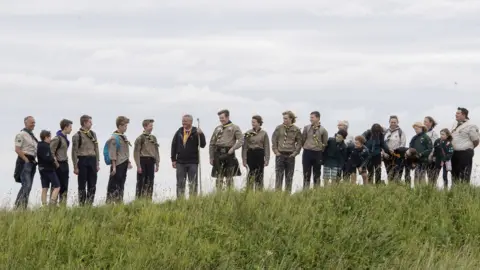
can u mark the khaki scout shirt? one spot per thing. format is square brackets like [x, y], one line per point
[88, 148]
[314, 138]
[254, 140]
[60, 154]
[229, 136]
[123, 153]
[287, 139]
[146, 145]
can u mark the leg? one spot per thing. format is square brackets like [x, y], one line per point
[353, 178]
[466, 166]
[289, 171]
[192, 173]
[445, 177]
[91, 181]
[150, 180]
[63, 174]
[122, 178]
[111, 187]
[389, 168]
[408, 178]
[327, 172]
[456, 167]
[27, 174]
[259, 178]
[139, 189]
[279, 172]
[55, 187]
[82, 180]
[181, 180]
[317, 169]
[44, 196]
[307, 168]
[371, 171]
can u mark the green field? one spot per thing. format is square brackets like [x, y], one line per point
[344, 227]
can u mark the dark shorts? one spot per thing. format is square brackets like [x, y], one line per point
[48, 178]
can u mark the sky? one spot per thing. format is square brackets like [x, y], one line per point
[356, 60]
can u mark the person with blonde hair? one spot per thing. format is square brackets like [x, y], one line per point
[420, 146]
[286, 145]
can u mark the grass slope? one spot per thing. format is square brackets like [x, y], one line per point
[342, 227]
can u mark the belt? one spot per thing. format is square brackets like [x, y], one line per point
[222, 150]
[286, 153]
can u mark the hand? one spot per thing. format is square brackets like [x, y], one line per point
[199, 131]
[56, 164]
[278, 154]
[139, 170]
[244, 164]
[114, 171]
[230, 151]
[266, 164]
[392, 152]
[211, 162]
[98, 168]
[130, 166]
[156, 168]
[442, 163]
[75, 171]
[292, 156]
[174, 164]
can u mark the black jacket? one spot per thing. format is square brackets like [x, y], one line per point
[46, 162]
[188, 153]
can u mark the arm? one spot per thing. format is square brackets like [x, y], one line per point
[304, 135]
[275, 141]
[239, 137]
[449, 153]
[53, 146]
[474, 135]
[383, 145]
[75, 151]
[266, 146]
[137, 146]
[173, 150]
[203, 141]
[403, 140]
[299, 142]
[18, 147]
[244, 151]
[324, 136]
[97, 150]
[211, 147]
[157, 152]
[428, 146]
[112, 150]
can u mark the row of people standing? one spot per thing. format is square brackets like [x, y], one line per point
[53, 161]
[341, 155]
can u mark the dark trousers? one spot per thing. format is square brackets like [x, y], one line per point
[311, 161]
[432, 175]
[394, 167]
[374, 167]
[26, 174]
[256, 165]
[436, 173]
[116, 183]
[145, 180]
[87, 179]
[284, 166]
[185, 171]
[63, 174]
[420, 171]
[462, 162]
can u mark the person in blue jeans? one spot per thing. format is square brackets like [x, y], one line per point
[26, 165]
[47, 167]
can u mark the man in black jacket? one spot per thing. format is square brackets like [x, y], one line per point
[185, 155]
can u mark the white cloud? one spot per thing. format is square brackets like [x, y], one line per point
[355, 60]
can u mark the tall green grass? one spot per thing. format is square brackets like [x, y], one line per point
[343, 227]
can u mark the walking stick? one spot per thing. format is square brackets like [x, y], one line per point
[199, 173]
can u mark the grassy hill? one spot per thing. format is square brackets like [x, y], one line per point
[332, 228]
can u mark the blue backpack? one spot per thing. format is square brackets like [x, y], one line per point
[106, 153]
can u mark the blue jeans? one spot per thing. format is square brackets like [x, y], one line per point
[27, 175]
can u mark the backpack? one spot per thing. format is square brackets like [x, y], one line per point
[80, 137]
[106, 154]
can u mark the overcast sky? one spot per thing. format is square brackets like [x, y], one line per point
[354, 60]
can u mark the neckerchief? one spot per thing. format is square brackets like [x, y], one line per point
[150, 138]
[315, 136]
[88, 133]
[459, 123]
[186, 134]
[60, 134]
[220, 133]
[252, 133]
[390, 132]
[285, 133]
[31, 134]
[123, 136]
